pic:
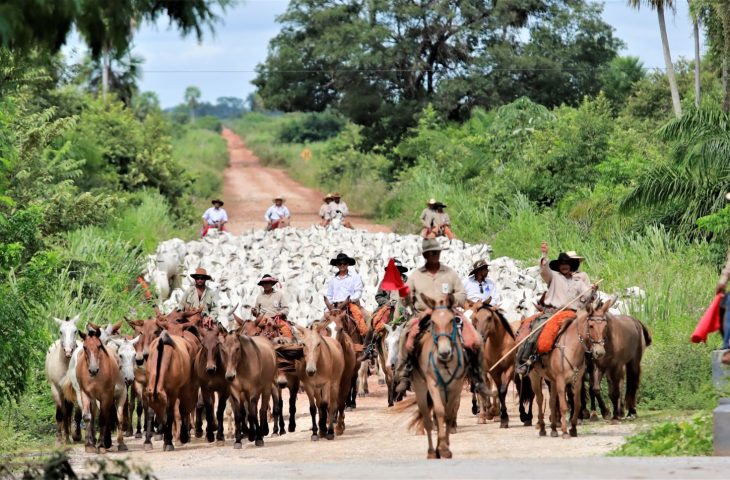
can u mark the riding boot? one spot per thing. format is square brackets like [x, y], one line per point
[475, 370]
[403, 375]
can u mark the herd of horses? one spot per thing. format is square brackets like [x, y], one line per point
[180, 370]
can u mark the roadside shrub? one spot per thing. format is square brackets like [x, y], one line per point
[691, 438]
[313, 127]
[209, 122]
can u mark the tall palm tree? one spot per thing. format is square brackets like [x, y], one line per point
[660, 6]
[694, 12]
[116, 72]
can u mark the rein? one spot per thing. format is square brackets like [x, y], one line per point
[601, 342]
[453, 336]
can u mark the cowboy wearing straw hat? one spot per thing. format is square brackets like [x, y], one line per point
[270, 302]
[214, 217]
[478, 287]
[277, 215]
[564, 284]
[443, 222]
[436, 281]
[198, 295]
[428, 219]
[324, 209]
[338, 207]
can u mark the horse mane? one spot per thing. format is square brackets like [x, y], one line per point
[501, 317]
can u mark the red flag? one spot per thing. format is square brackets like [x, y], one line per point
[392, 280]
[710, 321]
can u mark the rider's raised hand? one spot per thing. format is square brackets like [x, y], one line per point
[544, 248]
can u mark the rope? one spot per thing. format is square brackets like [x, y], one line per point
[444, 384]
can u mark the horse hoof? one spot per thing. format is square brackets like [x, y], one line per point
[554, 434]
[158, 436]
[445, 453]
[147, 446]
[102, 450]
[474, 409]
[219, 443]
[90, 449]
[543, 433]
[122, 448]
[275, 434]
[237, 446]
[565, 436]
[339, 431]
[292, 428]
[453, 430]
[615, 421]
[482, 421]
[259, 442]
[314, 438]
[573, 432]
[489, 416]
[431, 455]
[169, 448]
[504, 425]
[527, 423]
[198, 434]
[631, 416]
[594, 417]
[137, 435]
[330, 436]
[349, 408]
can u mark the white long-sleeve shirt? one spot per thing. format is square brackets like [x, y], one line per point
[342, 207]
[275, 213]
[476, 291]
[213, 215]
[340, 288]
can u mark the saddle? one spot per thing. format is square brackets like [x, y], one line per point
[548, 335]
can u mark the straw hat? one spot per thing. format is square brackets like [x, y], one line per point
[478, 265]
[572, 254]
[431, 245]
[267, 279]
[218, 201]
[200, 273]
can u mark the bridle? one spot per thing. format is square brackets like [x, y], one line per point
[455, 340]
[591, 342]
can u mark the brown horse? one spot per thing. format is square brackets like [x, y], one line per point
[169, 380]
[349, 372]
[438, 377]
[210, 374]
[564, 367]
[148, 331]
[250, 370]
[100, 389]
[320, 365]
[624, 341]
[498, 340]
[286, 377]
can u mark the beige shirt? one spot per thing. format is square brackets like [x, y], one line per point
[436, 286]
[323, 210]
[271, 304]
[428, 218]
[191, 301]
[562, 290]
[333, 207]
[442, 218]
[725, 274]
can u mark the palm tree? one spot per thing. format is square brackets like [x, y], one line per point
[192, 95]
[659, 6]
[694, 182]
[112, 72]
[694, 11]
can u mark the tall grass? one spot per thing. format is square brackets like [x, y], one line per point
[204, 156]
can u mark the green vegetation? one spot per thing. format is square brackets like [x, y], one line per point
[671, 439]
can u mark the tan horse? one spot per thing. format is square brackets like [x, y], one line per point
[562, 367]
[499, 339]
[286, 377]
[438, 378]
[349, 372]
[100, 389]
[57, 362]
[623, 341]
[148, 331]
[210, 374]
[250, 370]
[169, 380]
[320, 365]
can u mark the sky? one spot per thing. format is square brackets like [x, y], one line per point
[222, 65]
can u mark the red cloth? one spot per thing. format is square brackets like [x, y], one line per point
[208, 227]
[546, 338]
[392, 280]
[710, 321]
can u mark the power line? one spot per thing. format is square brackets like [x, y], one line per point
[391, 70]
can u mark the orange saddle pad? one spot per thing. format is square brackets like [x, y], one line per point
[547, 336]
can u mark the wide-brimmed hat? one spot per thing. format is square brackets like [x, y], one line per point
[279, 198]
[478, 265]
[399, 265]
[573, 254]
[431, 245]
[563, 257]
[201, 273]
[267, 279]
[217, 200]
[336, 195]
[440, 204]
[432, 202]
[328, 196]
[342, 257]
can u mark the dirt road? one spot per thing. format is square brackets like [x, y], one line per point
[249, 188]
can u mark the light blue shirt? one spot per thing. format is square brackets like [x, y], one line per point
[342, 287]
[275, 213]
[476, 292]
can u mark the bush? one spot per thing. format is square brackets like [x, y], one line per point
[314, 127]
[672, 439]
[208, 122]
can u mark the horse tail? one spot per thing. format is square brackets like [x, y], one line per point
[647, 335]
[408, 404]
[165, 339]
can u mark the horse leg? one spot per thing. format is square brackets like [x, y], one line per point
[562, 402]
[238, 420]
[148, 424]
[554, 412]
[252, 417]
[262, 427]
[293, 391]
[536, 388]
[220, 413]
[322, 407]
[633, 376]
[282, 426]
[577, 395]
[207, 398]
[200, 409]
[332, 408]
[123, 410]
[62, 422]
[167, 426]
[442, 444]
[503, 415]
[614, 392]
[88, 408]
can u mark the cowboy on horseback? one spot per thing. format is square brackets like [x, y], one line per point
[214, 217]
[564, 284]
[324, 210]
[339, 208]
[271, 306]
[436, 281]
[277, 215]
[436, 222]
[478, 287]
[347, 285]
[198, 295]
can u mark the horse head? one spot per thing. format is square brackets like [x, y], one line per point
[597, 326]
[311, 340]
[210, 344]
[392, 342]
[92, 347]
[444, 329]
[67, 330]
[126, 354]
[231, 352]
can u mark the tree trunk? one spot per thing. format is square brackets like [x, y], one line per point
[725, 57]
[105, 66]
[668, 61]
[698, 85]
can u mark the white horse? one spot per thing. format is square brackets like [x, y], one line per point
[57, 365]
